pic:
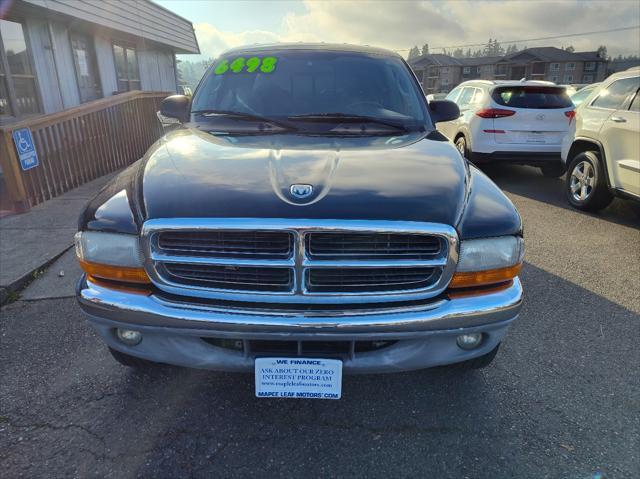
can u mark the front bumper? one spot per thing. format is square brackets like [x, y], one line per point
[173, 331]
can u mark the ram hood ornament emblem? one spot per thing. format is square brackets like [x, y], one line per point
[301, 191]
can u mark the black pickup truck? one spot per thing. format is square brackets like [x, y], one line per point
[303, 220]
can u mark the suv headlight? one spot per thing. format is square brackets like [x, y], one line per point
[488, 261]
[111, 256]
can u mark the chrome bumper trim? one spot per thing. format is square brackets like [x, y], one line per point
[108, 304]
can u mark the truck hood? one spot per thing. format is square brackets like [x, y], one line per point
[192, 173]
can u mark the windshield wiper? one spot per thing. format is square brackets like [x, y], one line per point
[243, 116]
[345, 118]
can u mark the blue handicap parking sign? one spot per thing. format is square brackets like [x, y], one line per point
[26, 148]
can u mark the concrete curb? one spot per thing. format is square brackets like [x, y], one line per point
[22, 282]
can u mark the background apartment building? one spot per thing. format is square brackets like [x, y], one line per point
[441, 73]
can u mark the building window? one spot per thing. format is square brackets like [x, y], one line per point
[568, 78]
[445, 81]
[554, 78]
[18, 92]
[587, 79]
[478, 69]
[444, 70]
[488, 68]
[466, 70]
[554, 67]
[590, 66]
[84, 60]
[537, 68]
[570, 67]
[126, 67]
[501, 69]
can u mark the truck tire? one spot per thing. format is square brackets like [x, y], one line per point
[552, 170]
[586, 184]
[132, 361]
[479, 362]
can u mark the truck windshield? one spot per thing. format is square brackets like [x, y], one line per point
[309, 88]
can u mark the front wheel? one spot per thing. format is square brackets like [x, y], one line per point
[586, 185]
[553, 170]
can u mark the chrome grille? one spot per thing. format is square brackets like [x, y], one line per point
[368, 279]
[300, 261]
[233, 244]
[372, 246]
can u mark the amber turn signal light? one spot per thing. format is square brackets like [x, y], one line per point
[473, 279]
[115, 273]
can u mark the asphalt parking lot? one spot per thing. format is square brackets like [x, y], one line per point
[562, 399]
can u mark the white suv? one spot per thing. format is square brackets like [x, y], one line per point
[602, 150]
[519, 122]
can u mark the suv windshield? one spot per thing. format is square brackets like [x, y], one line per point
[313, 90]
[540, 97]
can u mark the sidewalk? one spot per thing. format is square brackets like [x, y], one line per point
[31, 241]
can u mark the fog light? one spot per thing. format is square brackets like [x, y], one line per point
[129, 337]
[469, 341]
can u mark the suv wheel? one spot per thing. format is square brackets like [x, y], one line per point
[132, 361]
[553, 170]
[586, 185]
[461, 146]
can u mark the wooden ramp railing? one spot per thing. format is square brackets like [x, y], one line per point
[78, 145]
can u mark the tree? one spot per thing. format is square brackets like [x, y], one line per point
[493, 48]
[497, 50]
[570, 49]
[458, 53]
[602, 51]
[425, 49]
[414, 53]
[488, 48]
[468, 54]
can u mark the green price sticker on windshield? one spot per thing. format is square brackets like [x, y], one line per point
[248, 65]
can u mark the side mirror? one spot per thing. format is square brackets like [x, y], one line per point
[176, 106]
[443, 110]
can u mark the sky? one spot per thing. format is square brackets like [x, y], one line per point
[398, 25]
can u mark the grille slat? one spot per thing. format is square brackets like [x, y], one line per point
[224, 277]
[227, 244]
[371, 246]
[361, 279]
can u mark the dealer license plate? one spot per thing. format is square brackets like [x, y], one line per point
[299, 378]
[536, 137]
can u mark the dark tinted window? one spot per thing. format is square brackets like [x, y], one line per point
[616, 94]
[542, 97]
[305, 82]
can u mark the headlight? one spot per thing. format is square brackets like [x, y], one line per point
[111, 256]
[488, 261]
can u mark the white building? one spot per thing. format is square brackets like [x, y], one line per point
[55, 54]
